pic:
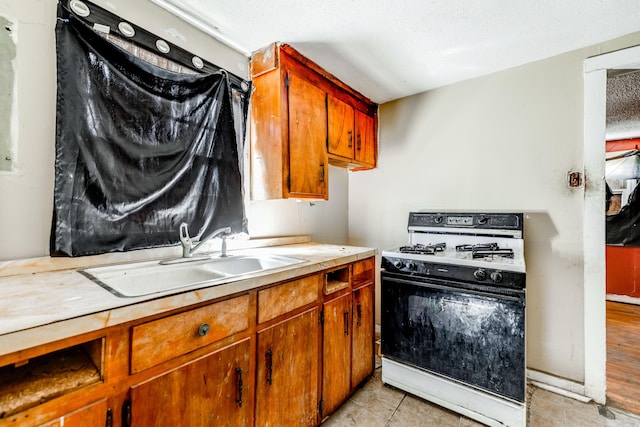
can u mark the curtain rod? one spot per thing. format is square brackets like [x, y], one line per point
[101, 20]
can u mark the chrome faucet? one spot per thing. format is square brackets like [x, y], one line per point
[187, 245]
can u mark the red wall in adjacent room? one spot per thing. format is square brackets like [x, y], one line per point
[623, 270]
[622, 145]
[623, 262]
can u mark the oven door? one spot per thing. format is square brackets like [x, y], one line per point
[472, 336]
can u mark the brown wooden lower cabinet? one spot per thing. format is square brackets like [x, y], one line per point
[214, 390]
[262, 358]
[287, 372]
[94, 414]
[362, 359]
[336, 353]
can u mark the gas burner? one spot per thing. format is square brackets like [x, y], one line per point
[490, 253]
[478, 247]
[423, 249]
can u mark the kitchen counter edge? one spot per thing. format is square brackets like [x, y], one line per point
[113, 310]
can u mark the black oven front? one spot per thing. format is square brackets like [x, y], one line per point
[472, 334]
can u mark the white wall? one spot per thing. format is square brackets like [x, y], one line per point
[326, 221]
[503, 142]
[26, 195]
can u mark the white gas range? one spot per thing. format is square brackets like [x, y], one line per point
[453, 314]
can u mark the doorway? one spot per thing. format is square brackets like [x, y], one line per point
[622, 178]
[595, 79]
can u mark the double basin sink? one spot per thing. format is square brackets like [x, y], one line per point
[149, 277]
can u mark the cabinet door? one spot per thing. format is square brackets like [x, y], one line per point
[363, 334]
[94, 414]
[213, 390]
[365, 144]
[307, 136]
[336, 352]
[287, 372]
[340, 127]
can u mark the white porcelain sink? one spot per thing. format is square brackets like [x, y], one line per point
[148, 277]
[236, 265]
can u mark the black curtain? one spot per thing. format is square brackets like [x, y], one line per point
[140, 149]
[623, 228]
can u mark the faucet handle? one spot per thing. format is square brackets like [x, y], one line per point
[184, 235]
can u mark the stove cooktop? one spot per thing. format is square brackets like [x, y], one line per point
[492, 241]
[479, 252]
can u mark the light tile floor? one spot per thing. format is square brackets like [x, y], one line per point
[378, 405]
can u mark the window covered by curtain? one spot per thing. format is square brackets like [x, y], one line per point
[140, 149]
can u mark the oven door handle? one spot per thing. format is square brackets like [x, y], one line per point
[506, 294]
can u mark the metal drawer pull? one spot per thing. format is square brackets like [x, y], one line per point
[359, 311]
[204, 329]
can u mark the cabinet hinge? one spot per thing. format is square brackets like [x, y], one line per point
[321, 318]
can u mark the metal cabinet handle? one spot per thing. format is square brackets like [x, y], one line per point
[359, 311]
[346, 322]
[239, 387]
[269, 358]
[350, 138]
[109, 421]
[203, 330]
[321, 172]
[359, 144]
[126, 413]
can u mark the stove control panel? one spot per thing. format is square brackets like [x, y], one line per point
[485, 276]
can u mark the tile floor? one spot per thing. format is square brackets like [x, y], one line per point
[378, 405]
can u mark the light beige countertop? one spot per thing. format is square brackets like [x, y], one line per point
[39, 306]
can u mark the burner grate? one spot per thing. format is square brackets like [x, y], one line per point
[478, 247]
[481, 253]
[423, 249]
[485, 250]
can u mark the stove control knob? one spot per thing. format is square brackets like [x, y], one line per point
[411, 265]
[496, 276]
[439, 219]
[480, 274]
[398, 264]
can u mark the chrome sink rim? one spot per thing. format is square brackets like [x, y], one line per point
[96, 274]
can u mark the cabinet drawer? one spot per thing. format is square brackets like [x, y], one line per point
[281, 299]
[163, 339]
[363, 272]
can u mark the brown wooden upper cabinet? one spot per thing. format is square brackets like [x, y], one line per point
[351, 135]
[302, 119]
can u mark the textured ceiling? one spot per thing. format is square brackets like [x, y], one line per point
[623, 106]
[390, 49]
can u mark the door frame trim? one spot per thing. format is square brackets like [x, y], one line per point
[595, 97]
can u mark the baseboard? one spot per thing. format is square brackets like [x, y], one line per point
[623, 298]
[557, 385]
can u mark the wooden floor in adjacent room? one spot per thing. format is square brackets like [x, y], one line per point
[623, 356]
